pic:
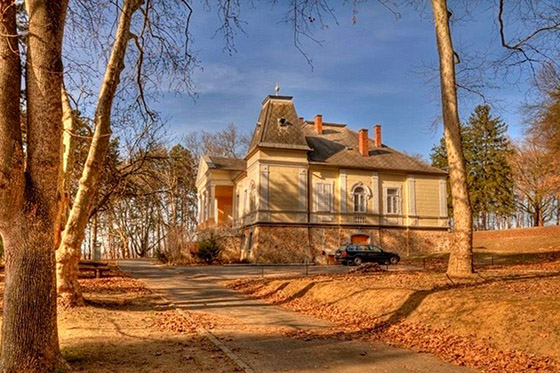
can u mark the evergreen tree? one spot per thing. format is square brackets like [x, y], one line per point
[487, 149]
[439, 160]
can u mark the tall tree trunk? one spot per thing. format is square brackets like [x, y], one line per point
[460, 259]
[73, 235]
[67, 156]
[110, 235]
[538, 219]
[67, 153]
[94, 246]
[11, 148]
[29, 329]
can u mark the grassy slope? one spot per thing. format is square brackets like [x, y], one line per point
[521, 240]
[507, 308]
[479, 323]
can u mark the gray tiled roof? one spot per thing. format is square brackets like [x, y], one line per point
[278, 126]
[338, 146]
[223, 163]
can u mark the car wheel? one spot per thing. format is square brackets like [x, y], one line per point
[357, 261]
[394, 259]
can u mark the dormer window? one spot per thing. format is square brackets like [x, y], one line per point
[283, 122]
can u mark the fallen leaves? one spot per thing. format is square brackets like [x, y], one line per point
[115, 283]
[393, 327]
[173, 322]
[367, 268]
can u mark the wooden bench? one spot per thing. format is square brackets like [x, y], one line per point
[93, 266]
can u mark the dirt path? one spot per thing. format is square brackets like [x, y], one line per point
[267, 338]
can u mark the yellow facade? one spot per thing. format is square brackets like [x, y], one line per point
[284, 192]
[325, 182]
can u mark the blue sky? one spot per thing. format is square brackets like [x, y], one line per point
[364, 74]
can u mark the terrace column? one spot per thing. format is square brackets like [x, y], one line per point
[212, 204]
[199, 207]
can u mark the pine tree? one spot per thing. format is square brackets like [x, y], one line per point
[487, 149]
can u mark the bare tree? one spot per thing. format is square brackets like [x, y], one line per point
[30, 203]
[230, 142]
[537, 182]
[72, 237]
[460, 259]
[153, 34]
[533, 41]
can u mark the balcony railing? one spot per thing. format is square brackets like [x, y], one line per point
[336, 218]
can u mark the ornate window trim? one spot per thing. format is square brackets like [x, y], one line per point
[360, 199]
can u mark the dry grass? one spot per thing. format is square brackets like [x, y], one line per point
[502, 248]
[126, 328]
[506, 319]
[521, 240]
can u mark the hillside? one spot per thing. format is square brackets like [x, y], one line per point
[520, 240]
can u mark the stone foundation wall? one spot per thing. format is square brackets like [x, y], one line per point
[231, 248]
[278, 245]
[296, 244]
[229, 240]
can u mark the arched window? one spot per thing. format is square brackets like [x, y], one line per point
[360, 195]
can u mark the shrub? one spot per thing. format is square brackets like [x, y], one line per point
[209, 249]
[177, 250]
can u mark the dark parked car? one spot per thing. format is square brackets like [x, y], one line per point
[357, 254]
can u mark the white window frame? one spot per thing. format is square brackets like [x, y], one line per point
[324, 196]
[396, 200]
[365, 197]
[359, 201]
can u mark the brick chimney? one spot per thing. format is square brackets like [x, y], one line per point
[363, 145]
[301, 120]
[377, 136]
[319, 124]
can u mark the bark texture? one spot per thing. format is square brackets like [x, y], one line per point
[11, 149]
[460, 259]
[29, 329]
[67, 284]
[73, 235]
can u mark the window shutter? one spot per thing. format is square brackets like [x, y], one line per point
[316, 197]
[329, 197]
[322, 195]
